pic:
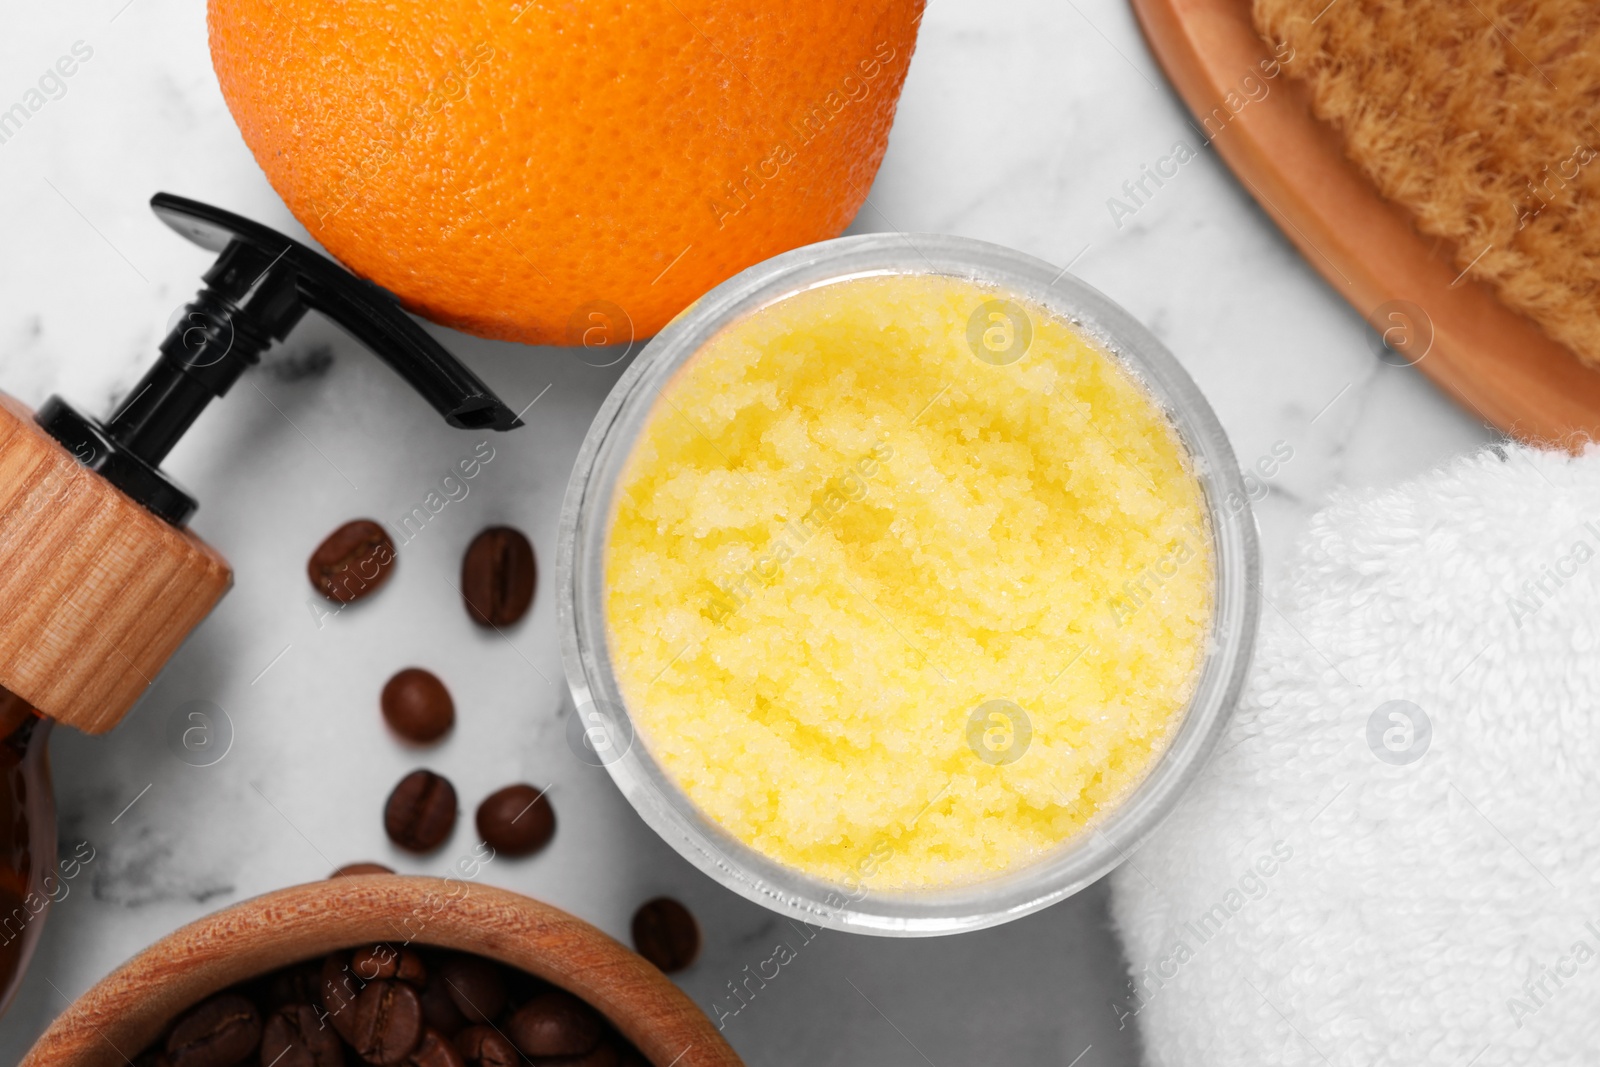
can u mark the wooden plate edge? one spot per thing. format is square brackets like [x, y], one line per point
[1488, 357]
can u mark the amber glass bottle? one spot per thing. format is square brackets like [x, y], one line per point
[27, 837]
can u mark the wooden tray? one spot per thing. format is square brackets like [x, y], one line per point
[1493, 360]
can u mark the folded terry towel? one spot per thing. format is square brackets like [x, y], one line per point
[1394, 857]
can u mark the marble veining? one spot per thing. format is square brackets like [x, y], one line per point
[1021, 119]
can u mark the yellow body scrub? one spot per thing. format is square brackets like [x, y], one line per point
[894, 606]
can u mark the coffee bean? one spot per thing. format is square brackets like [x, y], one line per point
[316, 1013]
[604, 1054]
[665, 933]
[476, 986]
[421, 811]
[439, 1010]
[484, 1046]
[290, 986]
[295, 1037]
[435, 1051]
[215, 1033]
[417, 706]
[388, 1022]
[498, 576]
[386, 961]
[517, 820]
[337, 989]
[555, 1023]
[354, 561]
[411, 969]
[522, 987]
[361, 868]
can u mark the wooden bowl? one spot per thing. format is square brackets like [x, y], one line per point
[1489, 358]
[128, 1009]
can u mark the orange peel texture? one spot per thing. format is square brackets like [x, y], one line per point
[507, 169]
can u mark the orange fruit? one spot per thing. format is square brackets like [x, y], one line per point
[507, 169]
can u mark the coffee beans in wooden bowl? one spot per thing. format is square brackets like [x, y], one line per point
[392, 1005]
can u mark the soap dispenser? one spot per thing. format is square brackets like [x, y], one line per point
[100, 578]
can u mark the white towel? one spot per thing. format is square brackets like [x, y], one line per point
[1419, 886]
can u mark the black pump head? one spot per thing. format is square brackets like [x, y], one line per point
[260, 286]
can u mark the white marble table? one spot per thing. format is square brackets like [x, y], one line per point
[1020, 119]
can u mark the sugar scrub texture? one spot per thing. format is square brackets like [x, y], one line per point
[841, 534]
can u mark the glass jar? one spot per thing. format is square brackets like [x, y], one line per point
[600, 711]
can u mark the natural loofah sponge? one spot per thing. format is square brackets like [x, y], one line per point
[1482, 119]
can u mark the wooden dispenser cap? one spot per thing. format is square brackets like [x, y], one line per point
[96, 593]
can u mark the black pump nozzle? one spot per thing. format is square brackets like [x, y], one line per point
[260, 286]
